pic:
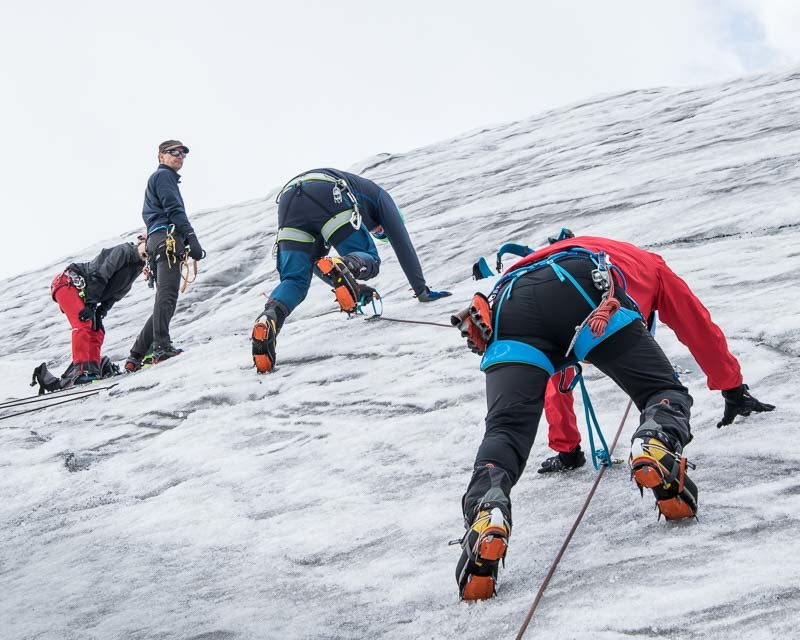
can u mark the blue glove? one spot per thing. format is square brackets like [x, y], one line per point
[429, 296]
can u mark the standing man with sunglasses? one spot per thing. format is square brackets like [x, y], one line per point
[169, 237]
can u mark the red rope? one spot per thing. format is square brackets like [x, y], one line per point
[598, 319]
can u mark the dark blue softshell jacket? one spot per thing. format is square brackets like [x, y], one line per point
[163, 204]
[378, 208]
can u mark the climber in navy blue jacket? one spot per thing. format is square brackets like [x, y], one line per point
[327, 207]
[169, 237]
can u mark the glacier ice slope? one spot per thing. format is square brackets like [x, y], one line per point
[199, 500]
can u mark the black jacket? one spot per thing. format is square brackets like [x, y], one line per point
[110, 275]
[163, 204]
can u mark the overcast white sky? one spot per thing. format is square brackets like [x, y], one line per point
[261, 91]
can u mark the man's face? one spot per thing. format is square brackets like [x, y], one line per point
[172, 161]
[142, 249]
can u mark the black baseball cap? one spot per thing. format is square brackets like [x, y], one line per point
[168, 145]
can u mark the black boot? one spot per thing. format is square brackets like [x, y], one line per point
[657, 464]
[87, 372]
[265, 334]
[487, 517]
[564, 461]
[335, 272]
[165, 352]
[108, 369]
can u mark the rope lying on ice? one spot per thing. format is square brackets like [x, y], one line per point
[567, 540]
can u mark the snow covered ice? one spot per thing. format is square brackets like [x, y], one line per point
[199, 500]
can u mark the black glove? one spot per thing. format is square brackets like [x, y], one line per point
[97, 323]
[195, 250]
[739, 402]
[367, 294]
[87, 313]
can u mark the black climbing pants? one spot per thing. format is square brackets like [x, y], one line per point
[543, 312]
[155, 333]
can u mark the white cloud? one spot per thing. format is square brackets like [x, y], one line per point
[780, 22]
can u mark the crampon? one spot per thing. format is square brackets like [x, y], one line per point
[484, 547]
[656, 467]
[345, 287]
[263, 338]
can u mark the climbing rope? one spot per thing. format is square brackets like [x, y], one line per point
[432, 324]
[598, 319]
[187, 275]
[169, 251]
[567, 540]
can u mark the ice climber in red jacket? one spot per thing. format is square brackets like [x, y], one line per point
[654, 287]
[584, 299]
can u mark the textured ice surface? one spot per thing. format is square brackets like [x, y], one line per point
[198, 500]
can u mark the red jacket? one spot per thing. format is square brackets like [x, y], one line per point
[654, 287]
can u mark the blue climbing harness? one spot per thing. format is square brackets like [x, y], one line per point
[513, 351]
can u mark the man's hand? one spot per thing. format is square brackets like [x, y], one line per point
[739, 402]
[195, 250]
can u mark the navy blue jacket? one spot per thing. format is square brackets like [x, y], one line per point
[111, 274]
[378, 209]
[163, 204]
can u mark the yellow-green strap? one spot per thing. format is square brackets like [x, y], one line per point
[295, 235]
[335, 223]
[306, 177]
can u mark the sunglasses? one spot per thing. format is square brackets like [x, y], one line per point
[177, 153]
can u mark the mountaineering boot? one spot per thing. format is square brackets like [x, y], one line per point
[108, 368]
[133, 363]
[564, 461]
[87, 372]
[336, 273]
[265, 334]
[484, 546]
[264, 339]
[46, 380]
[656, 466]
[165, 352]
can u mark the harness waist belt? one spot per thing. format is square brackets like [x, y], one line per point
[307, 177]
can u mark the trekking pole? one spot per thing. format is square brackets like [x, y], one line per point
[39, 408]
[567, 540]
[16, 402]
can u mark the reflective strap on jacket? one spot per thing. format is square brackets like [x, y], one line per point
[294, 235]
